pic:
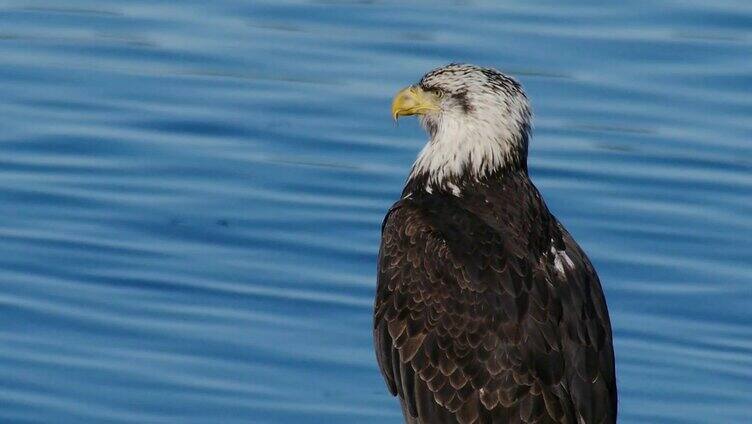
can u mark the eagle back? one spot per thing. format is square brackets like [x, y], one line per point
[487, 311]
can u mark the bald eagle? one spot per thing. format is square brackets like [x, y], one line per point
[487, 310]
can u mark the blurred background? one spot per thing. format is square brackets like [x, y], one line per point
[191, 196]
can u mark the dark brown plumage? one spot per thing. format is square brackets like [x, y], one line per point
[474, 323]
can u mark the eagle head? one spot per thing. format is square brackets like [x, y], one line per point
[477, 120]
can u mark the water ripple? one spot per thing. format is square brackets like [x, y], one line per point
[191, 196]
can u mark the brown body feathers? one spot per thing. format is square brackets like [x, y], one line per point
[487, 311]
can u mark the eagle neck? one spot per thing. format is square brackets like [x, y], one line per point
[466, 185]
[452, 159]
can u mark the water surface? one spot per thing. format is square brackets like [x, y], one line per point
[191, 196]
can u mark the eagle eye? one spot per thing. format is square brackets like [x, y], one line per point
[435, 91]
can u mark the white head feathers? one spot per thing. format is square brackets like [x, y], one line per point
[482, 126]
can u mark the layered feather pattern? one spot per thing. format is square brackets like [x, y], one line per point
[487, 311]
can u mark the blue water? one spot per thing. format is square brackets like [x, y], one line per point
[191, 196]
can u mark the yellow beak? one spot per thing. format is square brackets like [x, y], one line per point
[413, 101]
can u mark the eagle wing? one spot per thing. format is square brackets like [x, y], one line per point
[469, 327]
